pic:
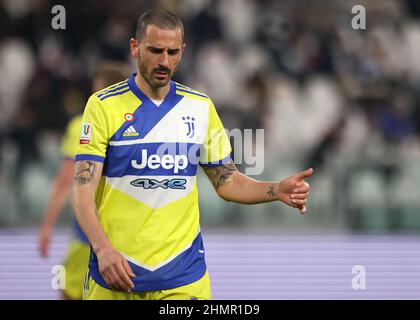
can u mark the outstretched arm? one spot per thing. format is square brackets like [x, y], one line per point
[112, 265]
[232, 185]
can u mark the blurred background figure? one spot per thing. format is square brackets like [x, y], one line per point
[283, 66]
[78, 252]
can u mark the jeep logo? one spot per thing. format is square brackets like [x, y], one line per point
[167, 161]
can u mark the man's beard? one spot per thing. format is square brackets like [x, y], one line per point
[148, 77]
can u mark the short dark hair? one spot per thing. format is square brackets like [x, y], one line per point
[162, 18]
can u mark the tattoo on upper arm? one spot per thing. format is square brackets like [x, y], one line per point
[219, 175]
[270, 191]
[85, 170]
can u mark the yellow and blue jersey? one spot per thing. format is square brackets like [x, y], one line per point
[68, 149]
[147, 198]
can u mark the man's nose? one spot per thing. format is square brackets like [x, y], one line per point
[164, 60]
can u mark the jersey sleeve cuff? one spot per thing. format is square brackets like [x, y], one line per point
[89, 157]
[217, 162]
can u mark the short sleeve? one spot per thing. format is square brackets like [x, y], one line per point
[216, 148]
[93, 139]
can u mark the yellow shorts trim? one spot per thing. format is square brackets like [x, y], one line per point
[199, 290]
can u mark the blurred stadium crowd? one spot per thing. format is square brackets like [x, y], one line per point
[344, 101]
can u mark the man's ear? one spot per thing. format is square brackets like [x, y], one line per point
[134, 48]
[183, 48]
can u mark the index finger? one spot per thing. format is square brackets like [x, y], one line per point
[128, 268]
[112, 279]
[124, 278]
[305, 189]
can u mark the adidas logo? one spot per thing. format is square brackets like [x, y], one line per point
[130, 132]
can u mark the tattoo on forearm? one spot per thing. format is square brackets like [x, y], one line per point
[270, 192]
[85, 171]
[219, 175]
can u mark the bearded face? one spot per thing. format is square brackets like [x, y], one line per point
[159, 53]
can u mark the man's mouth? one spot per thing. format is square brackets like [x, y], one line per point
[161, 73]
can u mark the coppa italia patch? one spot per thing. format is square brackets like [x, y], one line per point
[129, 117]
[86, 133]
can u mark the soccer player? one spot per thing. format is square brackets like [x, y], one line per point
[77, 256]
[135, 193]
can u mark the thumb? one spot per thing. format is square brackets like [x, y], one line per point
[305, 174]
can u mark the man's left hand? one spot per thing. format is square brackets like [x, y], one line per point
[294, 190]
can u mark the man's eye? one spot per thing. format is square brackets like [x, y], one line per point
[173, 52]
[157, 51]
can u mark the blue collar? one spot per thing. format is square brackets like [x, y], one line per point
[146, 101]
